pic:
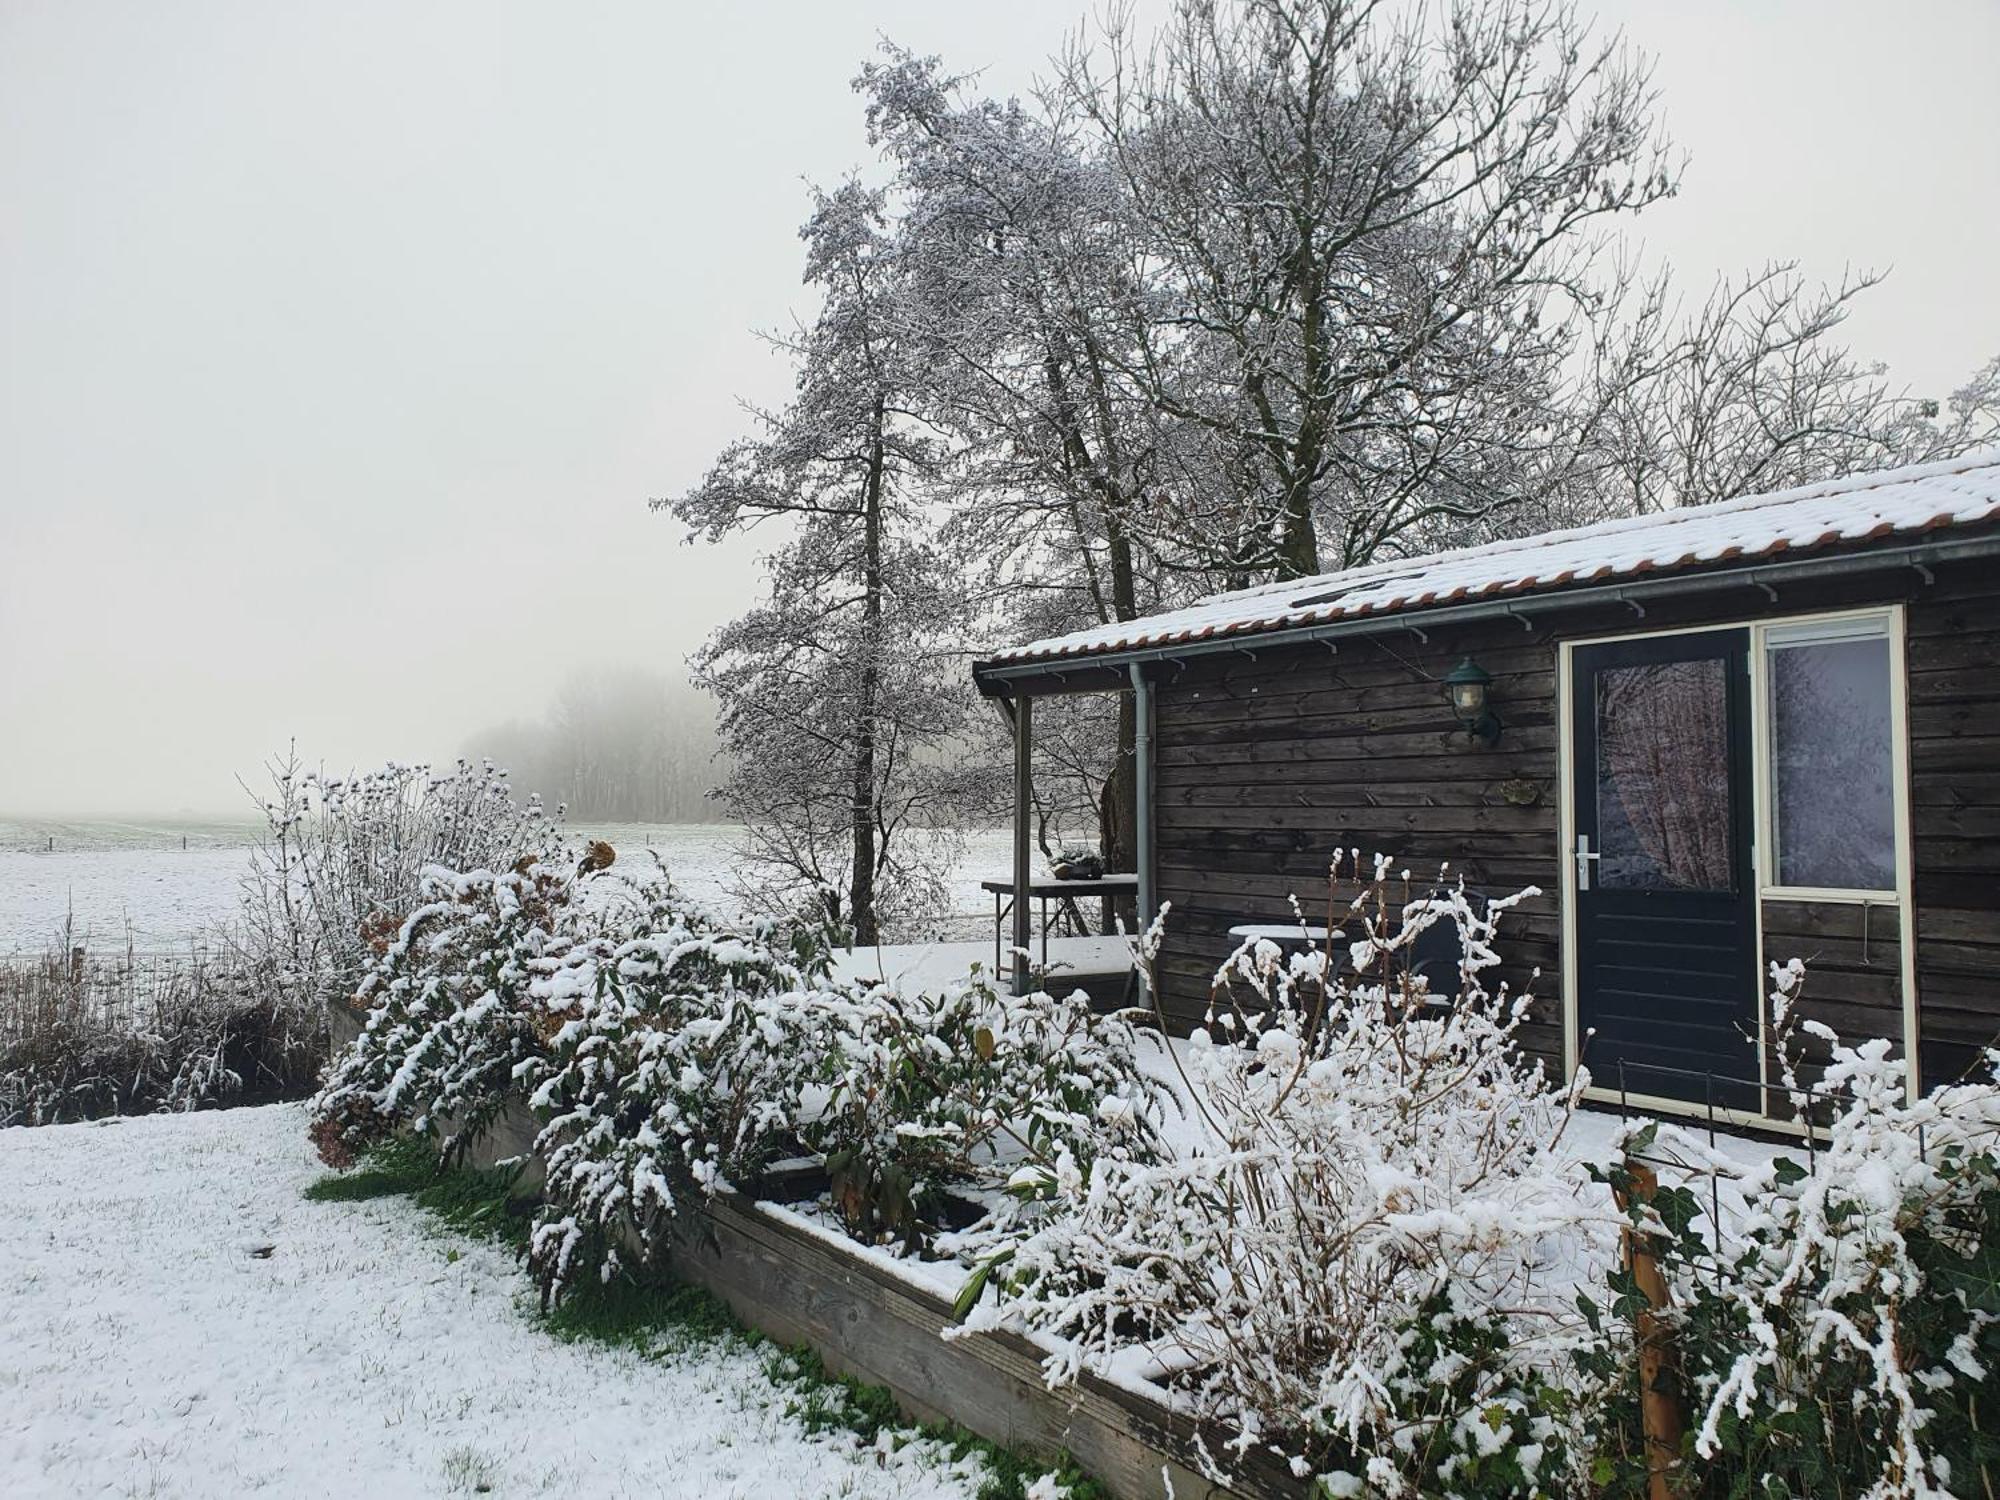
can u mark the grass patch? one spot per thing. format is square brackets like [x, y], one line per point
[657, 1319]
[402, 1166]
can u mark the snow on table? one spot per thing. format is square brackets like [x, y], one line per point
[175, 1319]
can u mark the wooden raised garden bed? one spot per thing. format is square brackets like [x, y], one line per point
[799, 1285]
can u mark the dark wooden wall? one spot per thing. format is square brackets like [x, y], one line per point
[1954, 658]
[1267, 763]
[1265, 766]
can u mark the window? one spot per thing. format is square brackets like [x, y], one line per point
[1663, 777]
[1833, 793]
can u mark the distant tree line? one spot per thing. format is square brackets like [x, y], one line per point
[1291, 286]
[615, 747]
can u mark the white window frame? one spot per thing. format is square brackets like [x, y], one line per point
[1885, 624]
[1762, 815]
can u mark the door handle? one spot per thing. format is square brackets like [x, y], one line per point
[1584, 859]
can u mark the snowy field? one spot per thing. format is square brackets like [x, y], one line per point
[176, 1320]
[134, 875]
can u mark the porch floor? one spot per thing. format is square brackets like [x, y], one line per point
[914, 965]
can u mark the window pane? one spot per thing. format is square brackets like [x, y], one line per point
[1832, 762]
[1663, 777]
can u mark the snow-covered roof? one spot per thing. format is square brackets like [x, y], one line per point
[1891, 503]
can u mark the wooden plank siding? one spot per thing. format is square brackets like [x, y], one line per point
[1954, 646]
[1266, 765]
[1854, 977]
[1268, 761]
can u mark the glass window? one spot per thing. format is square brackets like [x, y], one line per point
[1832, 764]
[1663, 777]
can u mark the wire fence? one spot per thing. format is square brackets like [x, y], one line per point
[109, 989]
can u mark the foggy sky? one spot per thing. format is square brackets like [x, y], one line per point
[342, 345]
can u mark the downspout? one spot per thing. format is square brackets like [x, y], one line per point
[1023, 799]
[1142, 788]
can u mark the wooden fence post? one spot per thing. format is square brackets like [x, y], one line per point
[1660, 1412]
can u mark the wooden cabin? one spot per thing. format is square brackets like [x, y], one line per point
[1713, 738]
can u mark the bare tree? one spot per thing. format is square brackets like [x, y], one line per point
[839, 693]
[1754, 391]
[1022, 293]
[1370, 237]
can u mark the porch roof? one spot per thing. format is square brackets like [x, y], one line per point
[1859, 513]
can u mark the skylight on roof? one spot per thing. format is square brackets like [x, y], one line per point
[1328, 596]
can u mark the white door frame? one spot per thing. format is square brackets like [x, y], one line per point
[1761, 842]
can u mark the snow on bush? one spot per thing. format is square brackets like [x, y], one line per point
[1843, 1338]
[448, 1015]
[669, 1053]
[679, 1050]
[973, 1089]
[241, 1016]
[343, 861]
[1363, 1252]
[1353, 1267]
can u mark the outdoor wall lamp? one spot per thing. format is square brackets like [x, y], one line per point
[1465, 685]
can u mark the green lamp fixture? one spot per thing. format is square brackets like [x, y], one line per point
[1465, 685]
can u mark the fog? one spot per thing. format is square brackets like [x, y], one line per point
[341, 346]
[621, 747]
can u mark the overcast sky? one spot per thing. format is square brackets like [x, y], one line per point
[341, 345]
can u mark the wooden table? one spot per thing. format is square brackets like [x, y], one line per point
[1047, 888]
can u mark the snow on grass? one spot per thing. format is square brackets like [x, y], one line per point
[176, 1319]
[114, 876]
[163, 896]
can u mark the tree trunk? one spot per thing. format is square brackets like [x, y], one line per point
[1298, 552]
[1298, 546]
[861, 878]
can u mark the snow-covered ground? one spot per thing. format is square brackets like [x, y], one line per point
[177, 1320]
[115, 877]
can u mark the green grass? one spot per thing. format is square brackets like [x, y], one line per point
[658, 1319]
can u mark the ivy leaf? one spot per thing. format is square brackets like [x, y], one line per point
[1590, 1313]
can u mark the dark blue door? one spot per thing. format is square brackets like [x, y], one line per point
[1665, 897]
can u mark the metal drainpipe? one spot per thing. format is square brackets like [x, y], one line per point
[1023, 798]
[1142, 787]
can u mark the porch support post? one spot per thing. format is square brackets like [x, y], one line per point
[1142, 784]
[1023, 812]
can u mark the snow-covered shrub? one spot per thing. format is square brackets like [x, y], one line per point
[669, 1052]
[689, 1054]
[240, 1017]
[343, 860]
[448, 1014]
[971, 1088]
[1844, 1338]
[1352, 1264]
[680, 1048]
